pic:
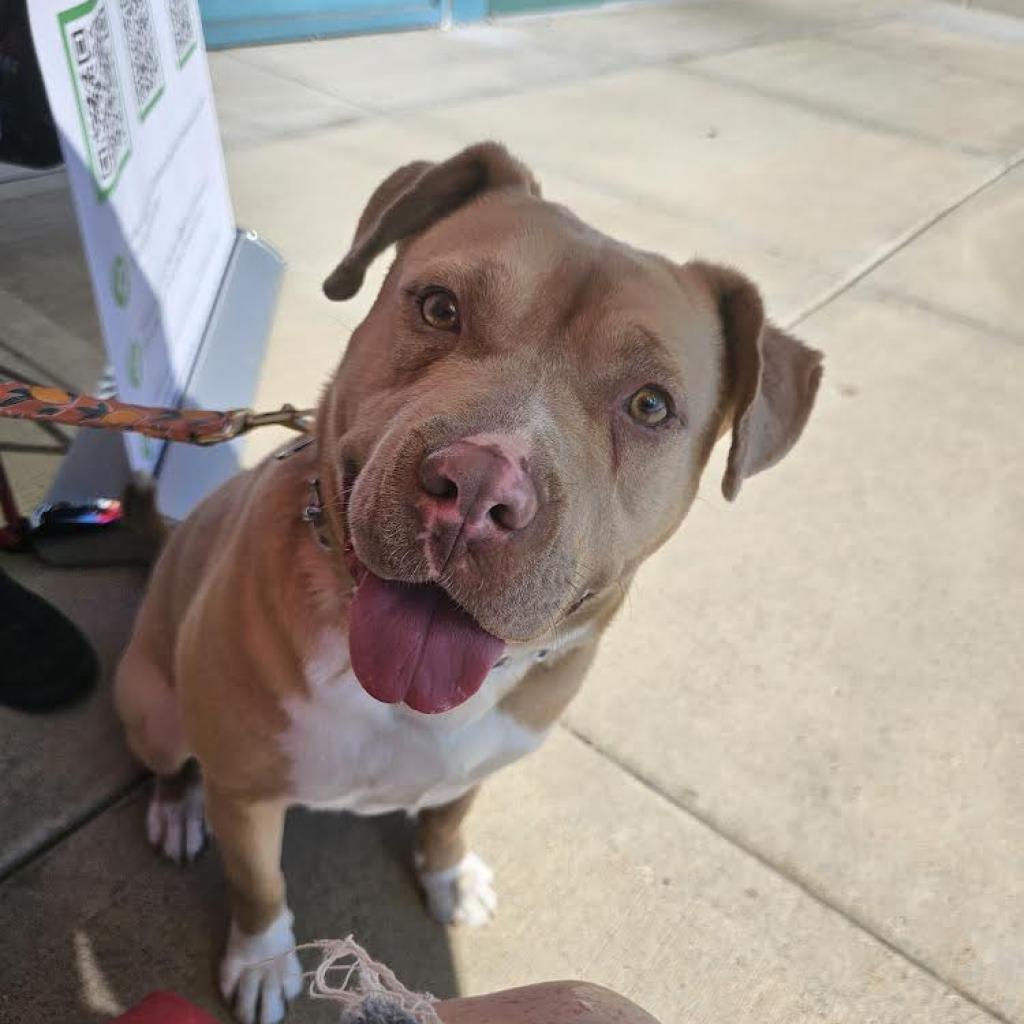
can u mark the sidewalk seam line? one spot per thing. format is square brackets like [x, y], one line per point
[25, 860]
[782, 872]
[902, 241]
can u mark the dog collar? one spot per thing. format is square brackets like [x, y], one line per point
[313, 513]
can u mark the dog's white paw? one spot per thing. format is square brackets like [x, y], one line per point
[175, 821]
[260, 974]
[463, 894]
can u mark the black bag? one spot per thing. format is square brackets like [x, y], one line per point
[28, 135]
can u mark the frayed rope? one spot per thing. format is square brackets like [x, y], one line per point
[368, 992]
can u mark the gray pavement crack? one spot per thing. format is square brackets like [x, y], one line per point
[68, 828]
[858, 274]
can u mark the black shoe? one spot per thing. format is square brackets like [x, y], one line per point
[45, 661]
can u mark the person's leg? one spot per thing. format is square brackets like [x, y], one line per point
[554, 1002]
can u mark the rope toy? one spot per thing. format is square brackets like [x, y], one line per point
[368, 992]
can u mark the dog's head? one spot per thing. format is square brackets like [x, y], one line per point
[524, 416]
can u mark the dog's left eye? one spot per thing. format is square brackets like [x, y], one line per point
[439, 309]
[649, 406]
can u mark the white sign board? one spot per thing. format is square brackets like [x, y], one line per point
[129, 88]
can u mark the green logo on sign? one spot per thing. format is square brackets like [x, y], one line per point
[120, 282]
[135, 364]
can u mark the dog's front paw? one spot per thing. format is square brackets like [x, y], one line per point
[260, 974]
[176, 819]
[463, 894]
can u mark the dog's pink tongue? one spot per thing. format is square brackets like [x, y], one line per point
[412, 643]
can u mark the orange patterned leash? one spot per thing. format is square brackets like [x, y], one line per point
[192, 426]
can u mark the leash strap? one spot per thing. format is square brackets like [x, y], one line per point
[191, 426]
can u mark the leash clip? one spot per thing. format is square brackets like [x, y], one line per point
[241, 421]
[288, 416]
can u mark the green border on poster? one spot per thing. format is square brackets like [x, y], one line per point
[188, 53]
[144, 112]
[183, 59]
[65, 18]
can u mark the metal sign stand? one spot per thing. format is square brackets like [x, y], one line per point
[225, 375]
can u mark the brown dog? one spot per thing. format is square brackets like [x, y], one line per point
[383, 618]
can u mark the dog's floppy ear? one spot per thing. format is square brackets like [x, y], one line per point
[772, 377]
[417, 195]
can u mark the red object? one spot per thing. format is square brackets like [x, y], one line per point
[165, 1008]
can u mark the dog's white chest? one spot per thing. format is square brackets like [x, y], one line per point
[350, 752]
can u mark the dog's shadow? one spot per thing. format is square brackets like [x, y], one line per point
[354, 876]
[105, 921]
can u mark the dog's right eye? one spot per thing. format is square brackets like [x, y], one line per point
[439, 309]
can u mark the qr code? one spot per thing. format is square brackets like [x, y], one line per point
[183, 27]
[94, 69]
[142, 52]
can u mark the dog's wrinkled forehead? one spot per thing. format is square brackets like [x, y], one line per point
[533, 271]
[500, 241]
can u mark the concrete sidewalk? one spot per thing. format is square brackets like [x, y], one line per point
[793, 787]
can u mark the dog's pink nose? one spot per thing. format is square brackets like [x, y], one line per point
[483, 487]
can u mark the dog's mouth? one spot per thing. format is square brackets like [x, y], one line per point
[410, 642]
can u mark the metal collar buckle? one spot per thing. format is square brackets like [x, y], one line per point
[313, 513]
